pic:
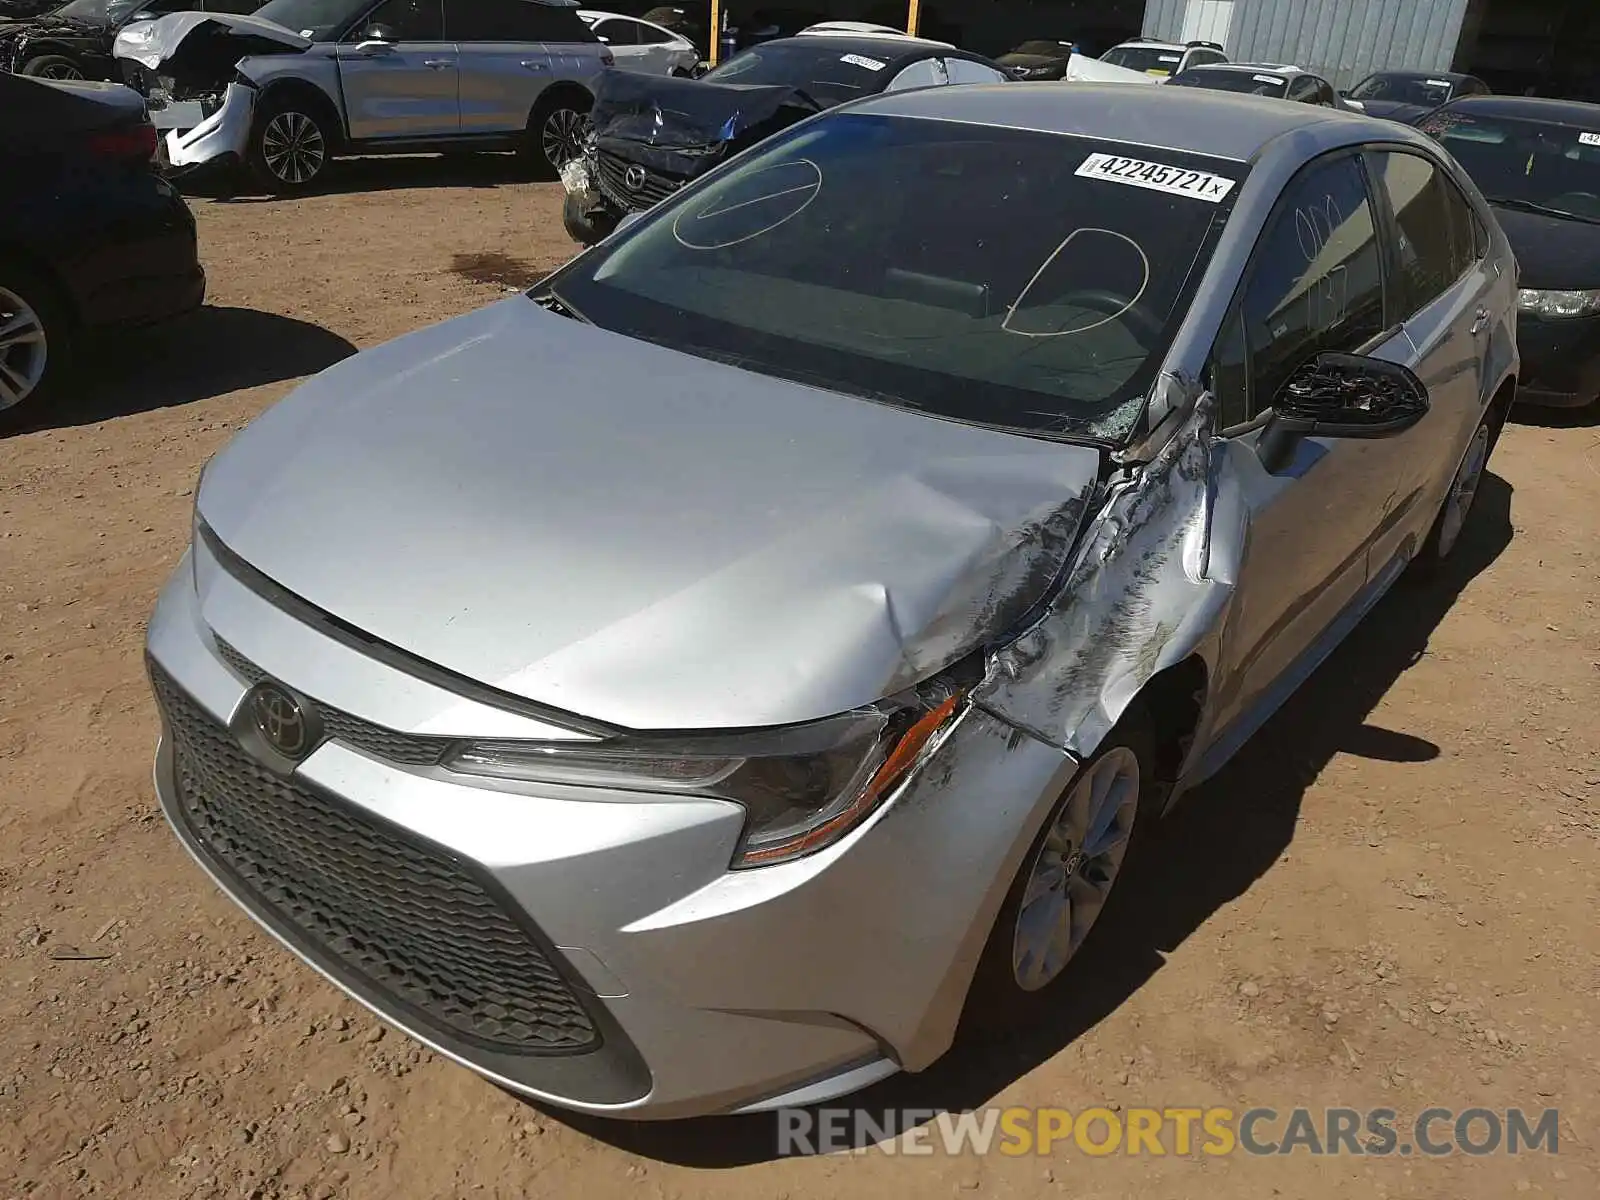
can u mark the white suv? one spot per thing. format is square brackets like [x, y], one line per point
[1163, 59]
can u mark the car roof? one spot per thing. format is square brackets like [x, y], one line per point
[1283, 69]
[878, 46]
[1530, 108]
[1149, 45]
[1219, 124]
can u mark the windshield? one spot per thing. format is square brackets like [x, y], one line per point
[1251, 83]
[828, 74]
[1149, 59]
[1403, 89]
[114, 11]
[1008, 278]
[1529, 162]
[319, 20]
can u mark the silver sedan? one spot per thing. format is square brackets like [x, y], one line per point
[689, 686]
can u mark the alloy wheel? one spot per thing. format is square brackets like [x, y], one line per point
[293, 148]
[61, 70]
[1463, 490]
[1074, 870]
[23, 349]
[562, 136]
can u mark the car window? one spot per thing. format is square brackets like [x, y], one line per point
[1436, 241]
[925, 73]
[618, 33]
[817, 66]
[649, 35]
[1314, 284]
[1151, 60]
[878, 256]
[963, 70]
[403, 21]
[1302, 88]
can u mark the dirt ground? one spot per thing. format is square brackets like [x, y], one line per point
[1389, 899]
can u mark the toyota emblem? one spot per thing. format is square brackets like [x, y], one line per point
[633, 178]
[282, 722]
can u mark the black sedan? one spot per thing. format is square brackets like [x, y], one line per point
[74, 40]
[1538, 162]
[90, 236]
[1040, 59]
[1407, 95]
[651, 134]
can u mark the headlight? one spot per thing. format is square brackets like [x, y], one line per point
[802, 788]
[1558, 304]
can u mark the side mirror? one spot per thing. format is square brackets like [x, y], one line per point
[602, 39]
[1340, 396]
[376, 39]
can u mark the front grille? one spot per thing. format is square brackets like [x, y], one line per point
[656, 187]
[405, 749]
[403, 917]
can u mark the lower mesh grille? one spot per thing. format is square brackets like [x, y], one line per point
[404, 917]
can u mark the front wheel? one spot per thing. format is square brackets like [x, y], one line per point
[1068, 875]
[557, 133]
[52, 66]
[586, 227]
[289, 146]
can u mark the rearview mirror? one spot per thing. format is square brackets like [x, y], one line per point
[1341, 396]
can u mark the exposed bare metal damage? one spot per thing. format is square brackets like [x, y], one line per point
[1141, 595]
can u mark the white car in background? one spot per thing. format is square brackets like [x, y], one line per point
[641, 45]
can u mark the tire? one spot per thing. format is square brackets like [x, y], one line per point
[36, 336]
[53, 66]
[586, 228]
[290, 145]
[556, 130]
[1444, 537]
[1020, 964]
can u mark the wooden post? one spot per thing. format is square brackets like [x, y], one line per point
[913, 17]
[716, 32]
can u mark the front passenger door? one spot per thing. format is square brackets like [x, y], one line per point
[399, 75]
[1315, 284]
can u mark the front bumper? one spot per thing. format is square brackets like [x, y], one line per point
[224, 136]
[708, 990]
[1560, 361]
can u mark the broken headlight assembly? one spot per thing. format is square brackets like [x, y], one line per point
[1558, 305]
[802, 788]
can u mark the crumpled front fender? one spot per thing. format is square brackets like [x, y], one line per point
[1144, 593]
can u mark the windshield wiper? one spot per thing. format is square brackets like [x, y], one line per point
[550, 302]
[1543, 210]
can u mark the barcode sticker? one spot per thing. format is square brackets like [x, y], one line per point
[1157, 177]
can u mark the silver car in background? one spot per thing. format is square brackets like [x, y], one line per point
[640, 45]
[689, 686]
[297, 82]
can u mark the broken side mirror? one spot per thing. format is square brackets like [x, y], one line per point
[1340, 396]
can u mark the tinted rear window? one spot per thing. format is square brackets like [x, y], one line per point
[967, 271]
[831, 74]
[1250, 83]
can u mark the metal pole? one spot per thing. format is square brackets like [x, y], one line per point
[913, 16]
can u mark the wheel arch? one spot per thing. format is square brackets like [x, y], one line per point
[308, 93]
[12, 251]
[562, 90]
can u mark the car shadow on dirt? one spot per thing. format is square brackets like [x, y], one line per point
[1209, 851]
[1586, 417]
[348, 176]
[210, 352]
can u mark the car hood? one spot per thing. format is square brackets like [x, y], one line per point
[1393, 110]
[666, 112]
[639, 536]
[153, 43]
[1033, 60]
[1082, 68]
[1552, 252]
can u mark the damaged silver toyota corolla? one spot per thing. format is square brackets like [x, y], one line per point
[690, 686]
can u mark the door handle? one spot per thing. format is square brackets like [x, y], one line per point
[437, 64]
[1480, 319]
[534, 64]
